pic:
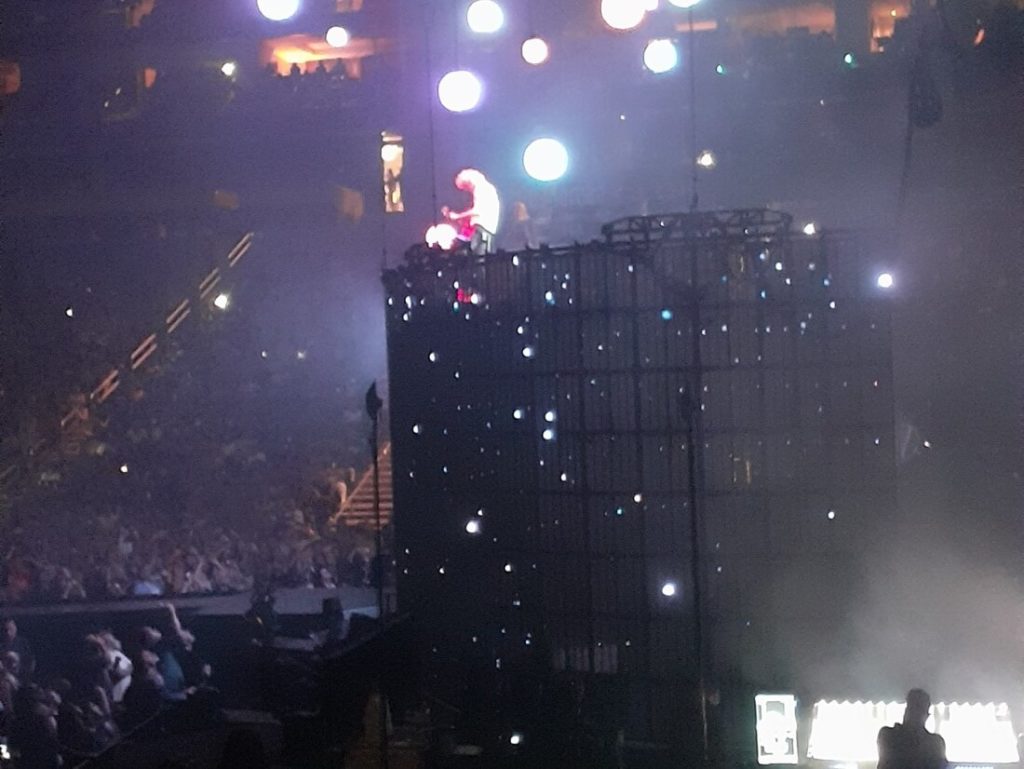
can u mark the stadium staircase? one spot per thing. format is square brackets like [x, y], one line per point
[357, 510]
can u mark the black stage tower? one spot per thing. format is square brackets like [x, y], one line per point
[650, 464]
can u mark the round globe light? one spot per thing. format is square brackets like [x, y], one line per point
[546, 160]
[389, 153]
[660, 56]
[337, 37]
[441, 235]
[885, 280]
[460, 91]
[485, 17]
[668, 589]
[622, 14]
[535, 51]
[278, 10]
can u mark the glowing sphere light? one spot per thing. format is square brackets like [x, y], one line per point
[661, 56]
[460, 91]
[668, 589]
[229, 69]
[441, 235]
[546, 160]
[222, 301]
[337, 37]
[485, 17]
[623, 14]
[278, 10]
[535, 51]
[885, 280]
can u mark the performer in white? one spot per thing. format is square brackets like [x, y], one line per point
[478, 224]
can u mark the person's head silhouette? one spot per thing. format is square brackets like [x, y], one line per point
[919, 705]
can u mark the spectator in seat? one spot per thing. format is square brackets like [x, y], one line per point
[119, 667]
[12, 641]
[34, 732]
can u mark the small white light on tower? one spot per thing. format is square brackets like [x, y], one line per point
[535, 51]
[229, 68]
[473, 526]
[337, 37]
[550, 416]
[810, 228]
[278, 10]
[661, 56]
[485, 17]
[70, 312]
[548, 434]
[528, 352]
[707, 159]
[885, 280]
[222, 301]
[460, 91]
[515, 738]
[508, 568]
[668, 589]
[124, 469]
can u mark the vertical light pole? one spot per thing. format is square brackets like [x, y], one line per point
[694, 199]
[689, 5]
[373, 406]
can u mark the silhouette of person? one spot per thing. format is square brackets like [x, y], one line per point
[910, 745]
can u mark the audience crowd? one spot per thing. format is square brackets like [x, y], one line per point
[100, 691]
[104, 558]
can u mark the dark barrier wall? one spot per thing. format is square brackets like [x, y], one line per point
[547, 407]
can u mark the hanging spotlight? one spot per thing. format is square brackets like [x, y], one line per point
[485, 17]
[278, 10]
[661, 56]
[337, 37]
[535, 51]
[622, 14]
[222, 301]
[546, 160]
[460, 91]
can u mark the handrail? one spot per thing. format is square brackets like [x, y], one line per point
[86, 762]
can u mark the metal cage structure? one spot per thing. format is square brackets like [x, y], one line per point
[656, 457]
